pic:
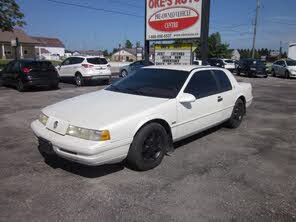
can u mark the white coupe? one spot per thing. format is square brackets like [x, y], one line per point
[138, 118]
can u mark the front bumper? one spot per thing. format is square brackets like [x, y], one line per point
[86, 152]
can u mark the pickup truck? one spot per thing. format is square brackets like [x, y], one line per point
[139, 117]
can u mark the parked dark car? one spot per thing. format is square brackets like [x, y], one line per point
[216, 62]
[26, 73]
[252, 68]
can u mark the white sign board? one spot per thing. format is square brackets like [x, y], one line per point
[173, 55]
[173, 19]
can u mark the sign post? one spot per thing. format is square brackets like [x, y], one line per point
[176, 19]
[205, 21]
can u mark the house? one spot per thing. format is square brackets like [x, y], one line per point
[235, 55]
[88, 53]
[26, 48]
[125, 55]
[54, 48]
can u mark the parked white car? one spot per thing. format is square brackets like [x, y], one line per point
[284, 68]
[84, 69]
[139, 117]
[229, 64]
[133, 67]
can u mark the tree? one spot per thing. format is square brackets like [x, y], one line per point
[105, 52]
[217, 48]
[128, 44]
[138, 44]
[10, 15]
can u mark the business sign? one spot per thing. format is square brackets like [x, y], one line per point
[173, 19]
[173, 54]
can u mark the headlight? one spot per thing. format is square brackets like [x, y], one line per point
[88, 134]
[43, 118]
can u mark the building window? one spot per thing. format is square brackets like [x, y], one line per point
[26, 52]
[7, 52]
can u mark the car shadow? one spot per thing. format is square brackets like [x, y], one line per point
[83, 170]
[198, 136]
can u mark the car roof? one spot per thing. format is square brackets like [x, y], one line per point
[187, 68]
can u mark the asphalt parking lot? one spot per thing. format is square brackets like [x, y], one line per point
[247, 174]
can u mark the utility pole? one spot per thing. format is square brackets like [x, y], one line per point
[255, 28]
[281, 50]
[204, 48]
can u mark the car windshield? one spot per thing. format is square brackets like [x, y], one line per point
[228, 61]
[291, 62]
[161, 83]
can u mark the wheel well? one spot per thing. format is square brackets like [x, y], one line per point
[244, 101]
[77, 73]
[162, 122]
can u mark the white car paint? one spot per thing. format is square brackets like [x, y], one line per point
[93, 71]
[124, 114]
[229, 64]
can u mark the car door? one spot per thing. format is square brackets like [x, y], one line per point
[135, 66]
[10, 73]
[225, 93]
[15, 72]
[6, 71]
[65, 69]
[205, 111]
[281, 68]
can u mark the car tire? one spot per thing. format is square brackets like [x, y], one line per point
[238, 72]
[273, 73]
[20, 86]
[55, 86]
[123, 73]
[79, 80]
[148, 147]
[237, 115]
[287, 75]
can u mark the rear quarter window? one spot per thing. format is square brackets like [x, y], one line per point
[223, 80]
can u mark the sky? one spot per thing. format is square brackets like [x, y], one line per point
[81, 28]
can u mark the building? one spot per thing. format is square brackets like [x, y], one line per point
[26, 47]
[125, 55]
[88, 53]
[235, 55]
[49, 48]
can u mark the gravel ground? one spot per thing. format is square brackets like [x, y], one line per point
[248, 174]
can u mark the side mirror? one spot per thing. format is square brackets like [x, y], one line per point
[187, 98]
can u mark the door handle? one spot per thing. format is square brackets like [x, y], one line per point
[220, 99]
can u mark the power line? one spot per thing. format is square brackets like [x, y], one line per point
[93, 8]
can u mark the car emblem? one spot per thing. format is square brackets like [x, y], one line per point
[55, 125]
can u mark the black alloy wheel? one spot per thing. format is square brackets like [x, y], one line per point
[148, 147]
[237, 115]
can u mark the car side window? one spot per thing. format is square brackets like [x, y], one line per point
[66, 62]
[223, 80]
[76, 60]
[9, 66]
[202, 84]
[15, 67]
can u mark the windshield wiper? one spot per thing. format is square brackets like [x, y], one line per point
[116, 88]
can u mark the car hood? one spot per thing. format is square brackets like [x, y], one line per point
[101, 108]
[292, 68]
